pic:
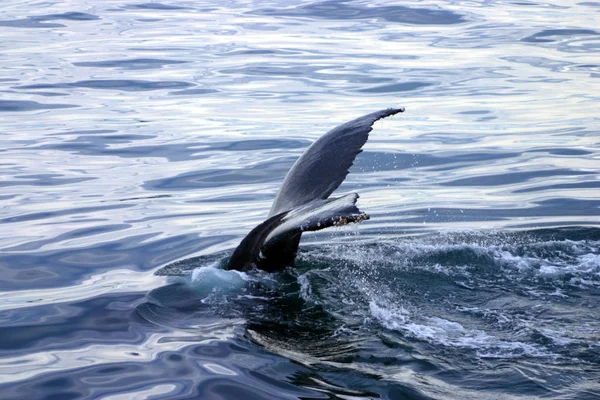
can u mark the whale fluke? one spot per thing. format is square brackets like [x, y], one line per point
[325, 164]
[302, 203]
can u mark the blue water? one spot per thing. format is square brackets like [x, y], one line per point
[137, 135]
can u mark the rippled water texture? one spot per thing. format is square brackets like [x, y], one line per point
[134, 135]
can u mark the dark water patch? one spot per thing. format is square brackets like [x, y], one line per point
[259, 26]
[162, 50]
[43, 180]
[559, 186]
[331, 329]
[208, 178]
[235, 198]
[74, 234]
[588, 66]
[192, 92]
[544, 62]
[259, 52]
[562, 151]
[158, 196]
[171, 216]
[25, 105]
[548, 35]
[307, 73]
[80, 219]
[47, 94]
[370, 161]
[457, 255]
[570, 206]
[44, 94]
[157, 6]
[238, 370]
[463, 298]
[107, 84]
[61, 213]
[100, 144]
[396, 87]
[85, 132]
[474, 112]
[69, 16]
[298, 53]
[130, 64]
[105, 319]
[270, 70]
[41, 21]
[448, 138]
[346, 10]
[264, 313]
[259, 144]
[512, 177]
[56, 268]
[484, 119]
[556, 207]
[565, 233]
[148, 19]
[576, 221]
[431, 215]
[98, 140]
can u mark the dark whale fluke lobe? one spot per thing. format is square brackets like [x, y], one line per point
[302, 203]
[325, 164]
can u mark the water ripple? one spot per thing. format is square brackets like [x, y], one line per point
[26, 105]
[344, 10]
[41, 21]
[142, 134]
[107, 84]
[129, 64]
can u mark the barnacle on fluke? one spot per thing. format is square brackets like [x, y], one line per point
[344, 220]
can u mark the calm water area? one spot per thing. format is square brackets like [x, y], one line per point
[140, 141]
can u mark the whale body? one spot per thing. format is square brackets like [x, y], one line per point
[303, 204]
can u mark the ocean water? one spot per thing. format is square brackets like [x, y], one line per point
[140, 141]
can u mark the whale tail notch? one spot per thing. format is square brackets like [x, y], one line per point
[302, 203]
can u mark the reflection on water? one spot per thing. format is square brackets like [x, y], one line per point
[135, 134]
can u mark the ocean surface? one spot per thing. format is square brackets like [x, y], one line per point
[140, 141]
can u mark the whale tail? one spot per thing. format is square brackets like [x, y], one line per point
[275, 241]
[302, 203]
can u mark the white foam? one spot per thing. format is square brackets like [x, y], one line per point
[213, 274]
[527, 269]
[305, 286]
[589, 263]
[452, 334]
[210, 280]
[392, 319]
[548, 259]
